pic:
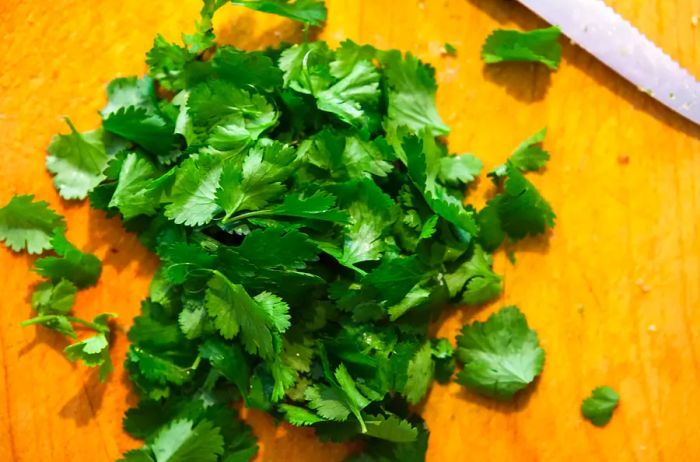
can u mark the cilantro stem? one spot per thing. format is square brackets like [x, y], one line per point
[195, 364]
[242, 216]
[73, 319]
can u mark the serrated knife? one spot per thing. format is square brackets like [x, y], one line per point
[601, 31]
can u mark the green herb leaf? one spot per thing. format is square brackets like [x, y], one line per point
[28, 225]
[598, 408]
[311, 12]
[539, 45]
[77, 160]
[501, 356]
[259, 320]
[82, 269]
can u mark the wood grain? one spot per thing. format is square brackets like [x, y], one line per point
[614, 294]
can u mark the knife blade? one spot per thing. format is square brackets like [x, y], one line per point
[600, 30]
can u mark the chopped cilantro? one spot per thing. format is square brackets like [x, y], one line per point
[450, 49]
[539, 45]
[310, 224]
[599, 407]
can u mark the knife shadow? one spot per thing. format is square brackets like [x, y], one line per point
[526, 82]
[509, 12]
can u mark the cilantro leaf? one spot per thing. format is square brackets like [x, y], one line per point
[391, 428]
[82, 269]
[257, 181]
[26, 224]
[520, 210]
[346, 97]
[411, 94]
[228, 360]
[183, 441]
[123, 92]
[134, 194]
[421, 369]
[598, 408]
[259, 320]
[243, 68]
[299, 416]
[539, 45]
[338, 401]
[149, 130]
[54, 298]
[417, 296]
[228, 118]
[395, 277]
[192, 197]
[423, 162]
[311, 12]
[501, 356]
[167, 63]
[474, 279]
[274, 247]
[371, 214]
[528, 156]
[349, 56]
[306, 67]
[93, 351]
[77, 161]
[157, 369]
[317, 206]
[459, 170]
[203, 37]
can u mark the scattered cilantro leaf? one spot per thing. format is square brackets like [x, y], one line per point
[528, 156]
[94, 352]
[54, 298]
[312, 12]
[26, 224]
[501, 356]
[82, 269]
[77, 160]
[539, 45]
[598, 408]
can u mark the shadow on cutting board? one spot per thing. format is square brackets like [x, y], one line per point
[83, 405]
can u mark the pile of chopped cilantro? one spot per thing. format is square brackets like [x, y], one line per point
[310, 224]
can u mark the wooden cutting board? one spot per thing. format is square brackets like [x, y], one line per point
[614, 293]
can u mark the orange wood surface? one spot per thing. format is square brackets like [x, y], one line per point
[613, 294]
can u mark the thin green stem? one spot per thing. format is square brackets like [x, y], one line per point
[242, 216]
[73, 319]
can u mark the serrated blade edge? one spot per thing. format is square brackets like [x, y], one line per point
[597, 28]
